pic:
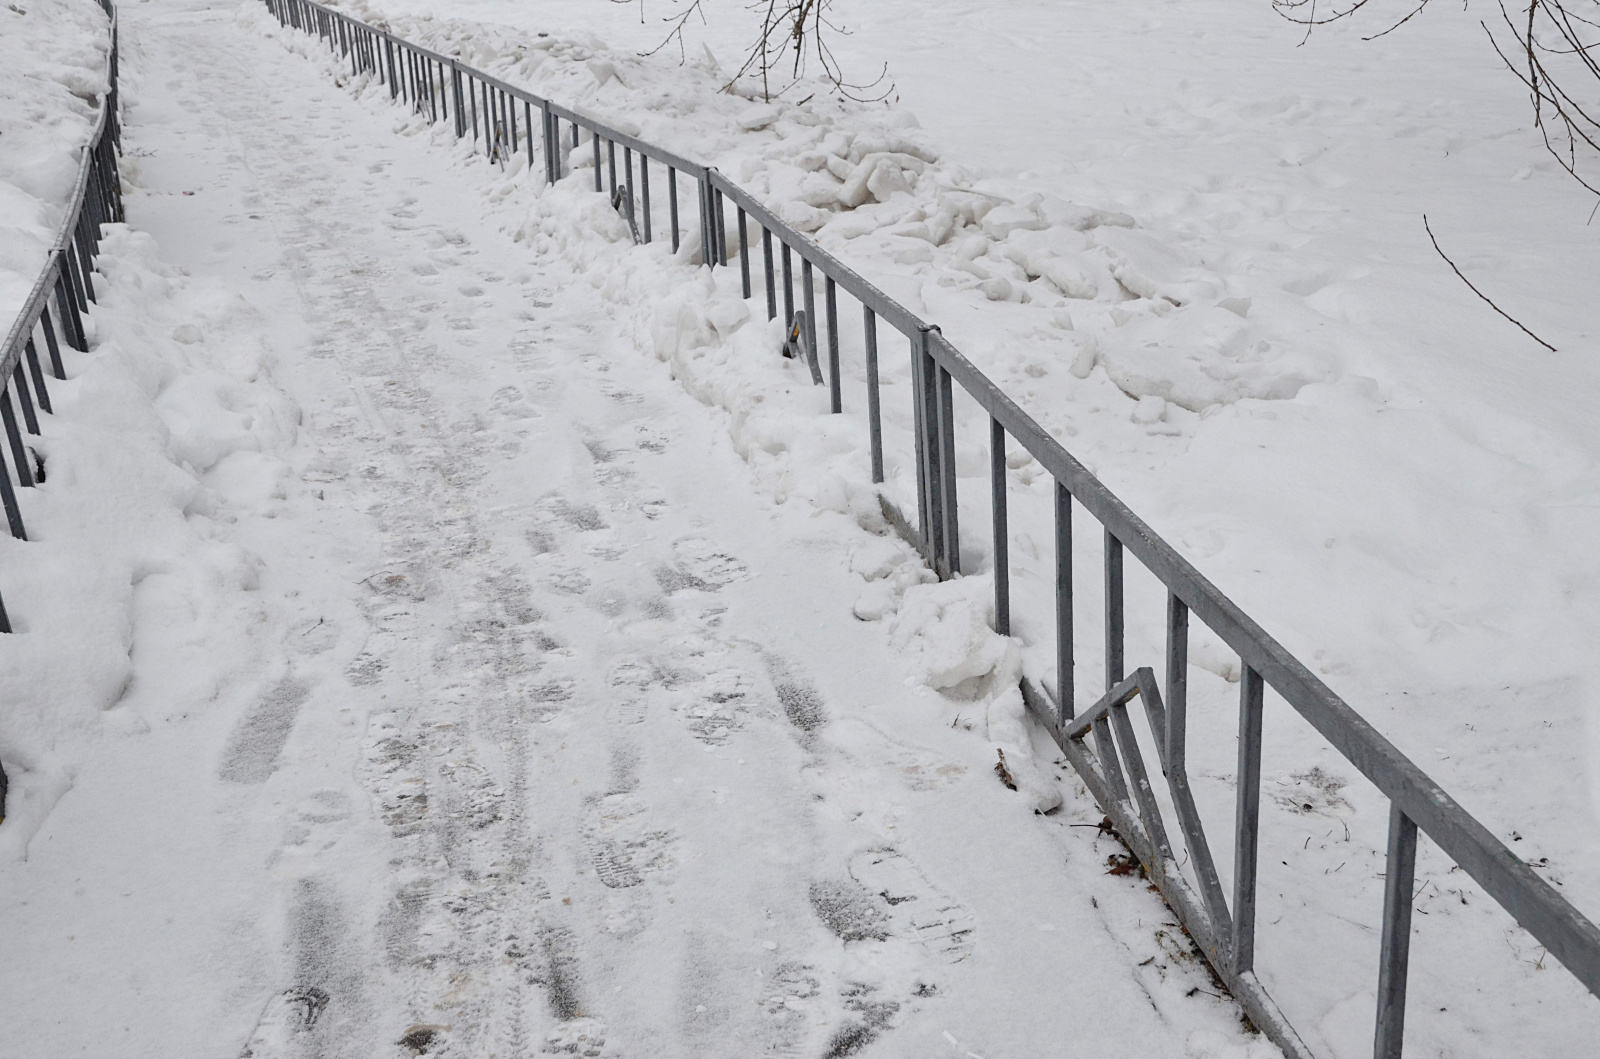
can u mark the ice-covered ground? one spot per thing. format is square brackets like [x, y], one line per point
[442, 657]
[52, 75]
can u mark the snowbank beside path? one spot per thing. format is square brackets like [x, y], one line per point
[1421, 557]
[52, 78]
[130, 600]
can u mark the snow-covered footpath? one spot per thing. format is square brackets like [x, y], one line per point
[409, 665]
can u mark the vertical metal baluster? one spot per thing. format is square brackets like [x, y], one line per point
[772, 283]
[1399, 877]
[24, 398]
[928, 481]
[491, 131]
[547, 137]
[708, 253]
[38, 375]
[644, 191]
[1113, 567]
[721, 221]
[14, 436]
[1247, 822]
[1174, 739]
[947, 472]
[672, 205]
[611, 165]
[1002, 542]
[788, 291]
[1065, 684]
[511, 119]
[527, 120]
[627, 172]
[73, 265]
[71, 324]
[9, 497]
[86, 252]
[918, 404]
[869, 321]
[83, 259]
[830, 301]
[808, 295]
[599, 174]
[472, 102]
[744, 255]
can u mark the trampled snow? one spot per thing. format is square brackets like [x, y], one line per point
[412, 665]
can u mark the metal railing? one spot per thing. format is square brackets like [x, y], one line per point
[54, 309]
[1101, 741]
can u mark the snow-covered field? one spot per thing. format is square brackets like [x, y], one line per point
[450, 677]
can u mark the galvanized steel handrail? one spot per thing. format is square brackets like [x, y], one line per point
[65, 281]
[1113, 769]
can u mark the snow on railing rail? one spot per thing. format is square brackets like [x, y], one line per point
[65, 282]
[442, 89]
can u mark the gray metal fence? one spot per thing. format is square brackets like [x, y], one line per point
[53, 311]
[1101, 742]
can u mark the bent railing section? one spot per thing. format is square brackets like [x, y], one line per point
[1101, 742]
[54, 310]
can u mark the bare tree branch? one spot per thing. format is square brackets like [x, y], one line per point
[793, 34]
[1478, 292]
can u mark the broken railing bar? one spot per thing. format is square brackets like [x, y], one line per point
[1208, 936]
[1532, 901]
[1116, 696]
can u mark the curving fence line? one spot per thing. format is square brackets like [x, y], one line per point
[54, 310]
[1100, 741]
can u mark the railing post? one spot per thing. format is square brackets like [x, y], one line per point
[1247, 821]
[1399, 878]
[808, 299]
[1113, 601]
[930, 453]
[831, 307]
[8, 497]
[1002, 543]
[919, 439]
[720, 220]
[874, 412]
[644, 192]
[19, 452]
[672, 204]
[772, 285]
[547, 138]
[744, 256]
[951, 529]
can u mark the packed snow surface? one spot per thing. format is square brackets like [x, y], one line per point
[453, 630]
